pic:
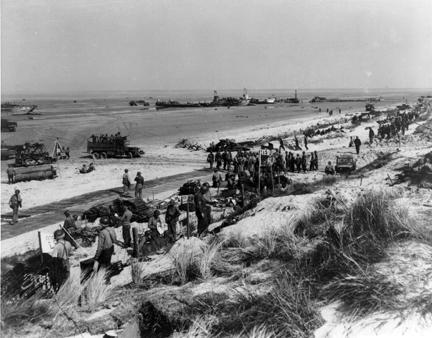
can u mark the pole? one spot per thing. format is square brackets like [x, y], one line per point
[259, 174]
[40, 246]
[61, 226]
[187, 218]
[272, 178]
[243, 196]
[135, 242]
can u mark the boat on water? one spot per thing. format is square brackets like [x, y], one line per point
[17, 109]
[175, 104]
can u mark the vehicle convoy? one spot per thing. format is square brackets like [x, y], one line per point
[32, 162]
[114, 146]
[7, 125]
[345, 164]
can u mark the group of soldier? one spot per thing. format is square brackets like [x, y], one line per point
[105, 138]
[397, 125]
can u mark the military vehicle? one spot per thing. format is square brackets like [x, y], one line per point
[7, 125]
[345, 163]
[117, 146]
[32, 162]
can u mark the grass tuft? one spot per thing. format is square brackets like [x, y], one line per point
[96, 290]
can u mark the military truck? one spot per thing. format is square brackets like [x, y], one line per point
[32, 162]
[111, 147]
[345, 164]
[8, 126]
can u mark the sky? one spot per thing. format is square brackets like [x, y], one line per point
[50, 46]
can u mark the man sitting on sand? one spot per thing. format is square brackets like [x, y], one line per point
[329, 170]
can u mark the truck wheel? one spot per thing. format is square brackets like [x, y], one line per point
[130, 155]
[104, 155]
[96, 156]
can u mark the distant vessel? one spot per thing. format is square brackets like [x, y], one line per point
[175, 104]
[17, 109]
[292, 99]
[270, 100]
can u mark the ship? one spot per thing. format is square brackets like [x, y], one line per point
[17, 109]
[175, 104]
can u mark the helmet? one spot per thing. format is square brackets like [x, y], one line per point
[59, 234]
[104, 220]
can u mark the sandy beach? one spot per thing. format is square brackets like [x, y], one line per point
[156, 132]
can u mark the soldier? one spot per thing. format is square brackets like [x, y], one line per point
[298, 162]
[306, 142]
[105, 248]
[217, 178]
[218, 159]
[11, 175]
[329, 170]
[70, 226]
[171, 218]
[316, 160]
[60, 265]
[125, 221]
[15, 202]
[357, 144]
[303, 162]
[225, 159]
[153, 224]
[202, 208]
[210, 159]
[312, 162]
[125, 181]
[371, 135]
[139, 185]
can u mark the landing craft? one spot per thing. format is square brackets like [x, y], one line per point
[16, 109]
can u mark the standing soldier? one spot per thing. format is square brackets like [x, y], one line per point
[357, 144]
[371, 135]
[105, 248]
[125, 221]
[15, 203]
[225, 159]
[312, 162]
[125, 181]
[210, 159]
[139, 185]
[316, 160]
[202, 208]
[171, 218]
[303, 162]
[70, 226]
[61, 265]
[218, 158]
[217, 178]
[10, 174]
[298, 163]
[306, 142]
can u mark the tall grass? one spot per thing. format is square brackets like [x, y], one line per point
[193, 261]
[96, 290]
[364, 293]
[286, 310]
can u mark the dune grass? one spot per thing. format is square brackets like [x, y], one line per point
[96, 290]
[286, 310]
[204, 261]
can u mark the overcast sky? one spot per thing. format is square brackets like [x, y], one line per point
[77, 45]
